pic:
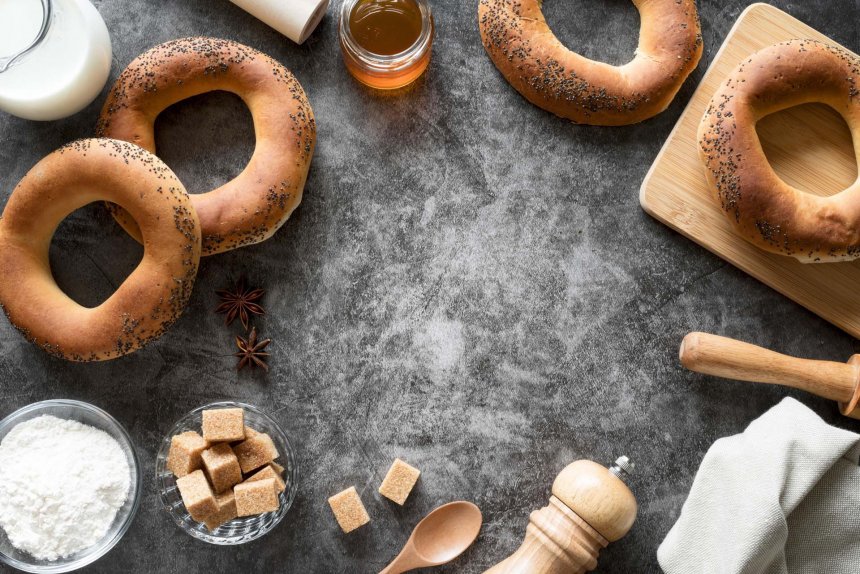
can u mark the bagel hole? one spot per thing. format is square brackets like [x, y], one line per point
[89, 259]
[206, 140]
[585, 26]
[810, 148]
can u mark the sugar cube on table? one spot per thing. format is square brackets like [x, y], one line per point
[399, 481]
[184, 455]
[197, 495]
[222, 467]
[348, 509]
[226, 511]
[268, 472]
[256, 497]
[223, 425]
[255, 451]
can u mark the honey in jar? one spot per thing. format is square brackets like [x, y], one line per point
[386, 43]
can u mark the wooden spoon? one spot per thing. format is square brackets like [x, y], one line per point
[440, 537]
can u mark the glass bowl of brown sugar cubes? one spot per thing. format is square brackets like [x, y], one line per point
[226, 473]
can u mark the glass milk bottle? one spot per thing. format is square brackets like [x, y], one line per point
[55, 57]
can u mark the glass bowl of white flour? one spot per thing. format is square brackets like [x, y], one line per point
[70, 485]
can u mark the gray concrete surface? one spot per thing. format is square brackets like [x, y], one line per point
[469, 284]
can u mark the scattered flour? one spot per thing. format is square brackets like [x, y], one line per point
[61, 484]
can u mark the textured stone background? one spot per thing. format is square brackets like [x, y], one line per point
[469, 284]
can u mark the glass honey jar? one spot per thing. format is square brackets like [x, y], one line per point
[386, 44]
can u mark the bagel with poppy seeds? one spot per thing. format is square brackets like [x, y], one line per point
[148, 301]
[759, 205]
[531, 58]
[254, 205]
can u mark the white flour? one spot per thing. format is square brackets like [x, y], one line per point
[61, 484]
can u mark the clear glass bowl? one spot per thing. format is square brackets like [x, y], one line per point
[94, 417]
[238, 530]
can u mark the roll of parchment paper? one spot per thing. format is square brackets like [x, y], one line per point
[295, 19]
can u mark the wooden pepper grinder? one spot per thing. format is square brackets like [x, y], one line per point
[590, 507]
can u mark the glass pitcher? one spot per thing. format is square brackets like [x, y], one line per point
[55, 57]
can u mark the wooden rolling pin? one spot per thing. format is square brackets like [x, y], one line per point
[731, 359]
[590, 507]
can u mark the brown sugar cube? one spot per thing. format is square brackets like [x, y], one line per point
[348, 509]
[277, 468]
[256, 497]
[197, 495]
[256, 451]
[268, 472]
[222, 467]
[226, 511]
[185, 451]
[249, 433]
[399, 481]
[223, 425]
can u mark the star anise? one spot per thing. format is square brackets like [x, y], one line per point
[252, 352]
[240, 302]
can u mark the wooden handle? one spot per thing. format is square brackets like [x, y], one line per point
[731, 359]
[405, 561]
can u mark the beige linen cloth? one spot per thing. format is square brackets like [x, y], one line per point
[783, 497]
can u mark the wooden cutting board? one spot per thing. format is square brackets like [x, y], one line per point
[809, 146]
